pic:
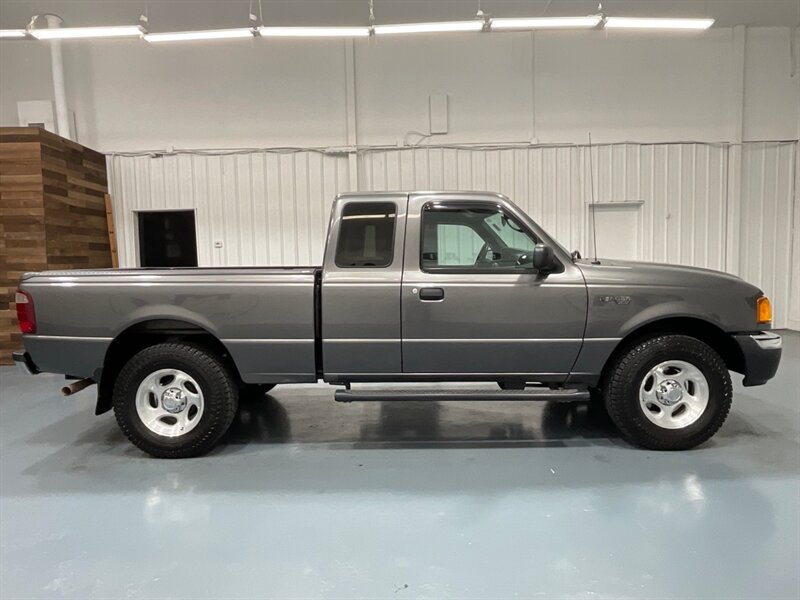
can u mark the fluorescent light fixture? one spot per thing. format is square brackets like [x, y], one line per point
[211, 34]
[68, 33]
[547, 23]
[636, 23]
[314, 31]
[441, 27]
[12, 33]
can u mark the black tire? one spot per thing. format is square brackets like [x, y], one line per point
[220, 398]
[626, 374]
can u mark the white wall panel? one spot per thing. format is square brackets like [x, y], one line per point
[488, 80]
[265, 208]
[272, 209]
[772, 87]
[765, 242]
[794, 265]
[552, 87]
[681, 186]
[681, 89]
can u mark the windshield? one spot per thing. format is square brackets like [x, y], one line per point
[509, 232]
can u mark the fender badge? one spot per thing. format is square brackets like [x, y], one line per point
[615, 299]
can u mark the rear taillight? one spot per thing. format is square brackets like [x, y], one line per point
[25, 313]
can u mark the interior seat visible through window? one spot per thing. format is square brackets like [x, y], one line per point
[479, 238]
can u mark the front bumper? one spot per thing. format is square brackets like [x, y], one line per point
[24, 362]
[762, 355]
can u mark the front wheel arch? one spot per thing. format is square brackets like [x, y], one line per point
[723, 343]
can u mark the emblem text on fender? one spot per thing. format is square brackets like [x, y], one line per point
[615, 299]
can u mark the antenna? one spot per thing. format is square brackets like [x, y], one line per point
[593, 208]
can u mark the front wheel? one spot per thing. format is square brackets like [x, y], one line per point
[670, 392]
[175, 400]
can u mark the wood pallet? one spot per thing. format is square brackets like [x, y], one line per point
[52, 214]
[112, 233]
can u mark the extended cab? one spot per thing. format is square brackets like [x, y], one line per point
[414, 287]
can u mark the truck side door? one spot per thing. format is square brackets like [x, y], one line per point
[469, 308]
[360, 296]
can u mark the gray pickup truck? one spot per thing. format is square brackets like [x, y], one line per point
[415, 287]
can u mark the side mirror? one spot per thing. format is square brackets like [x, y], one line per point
[542, 258]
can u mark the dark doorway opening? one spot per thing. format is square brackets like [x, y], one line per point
[167, 238]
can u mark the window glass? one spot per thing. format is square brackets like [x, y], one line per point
[458, 245]
[474, 239]
[366, 235]
[509, 232]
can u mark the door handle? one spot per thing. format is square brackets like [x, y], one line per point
[431, 294]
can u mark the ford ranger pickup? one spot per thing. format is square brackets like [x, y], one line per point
[414, 287]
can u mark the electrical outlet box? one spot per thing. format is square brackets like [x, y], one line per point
[437, 105]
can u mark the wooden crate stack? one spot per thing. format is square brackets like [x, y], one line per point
[52, 214]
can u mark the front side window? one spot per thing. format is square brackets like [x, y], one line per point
[464, 239]
[366, 235]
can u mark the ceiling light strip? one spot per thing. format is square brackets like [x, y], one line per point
[495, 24]
[637, 23]
[12, 33]
[211, 34]
[439, 27]
[313, 31]
[66, 33]
[591, 21]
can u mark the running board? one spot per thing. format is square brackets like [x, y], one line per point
[542, 394]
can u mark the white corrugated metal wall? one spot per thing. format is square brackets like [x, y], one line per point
[794, 265]
[263, 208]
[767, 215]
[272, 208]
[682, 187]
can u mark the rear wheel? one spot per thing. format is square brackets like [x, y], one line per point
[671, 392]
[175, 400]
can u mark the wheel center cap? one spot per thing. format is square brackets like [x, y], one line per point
[669, 392]
[173, 400]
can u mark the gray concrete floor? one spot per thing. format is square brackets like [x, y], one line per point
[312, 499]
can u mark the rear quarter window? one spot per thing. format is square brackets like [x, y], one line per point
[366, 235]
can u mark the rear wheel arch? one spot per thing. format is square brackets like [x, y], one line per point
[146, 333]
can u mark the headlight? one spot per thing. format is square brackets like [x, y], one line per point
[763, 310]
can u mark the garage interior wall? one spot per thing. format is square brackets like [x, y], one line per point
[699, 131]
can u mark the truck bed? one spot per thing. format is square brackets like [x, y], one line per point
[264, 316]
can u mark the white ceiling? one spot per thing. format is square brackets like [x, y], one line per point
[169, 15]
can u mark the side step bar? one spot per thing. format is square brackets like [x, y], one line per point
[462, 395]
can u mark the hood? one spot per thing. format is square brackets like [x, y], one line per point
[611, 271]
